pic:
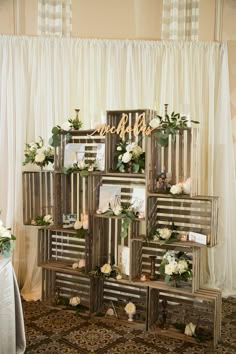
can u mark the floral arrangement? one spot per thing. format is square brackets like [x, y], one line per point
[168, 125]
[81, 167]
[70, 124]
[129, 157]
[107, 271]
[125, 211]
[43, 220]
[175, 266]
[38, 154]
[6, 241]
[81, 227]
[163, 235]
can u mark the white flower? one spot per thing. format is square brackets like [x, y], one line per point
[165, 233]
[119, 148]
[33, 222]
[82, 165]
[119, 277]
[99, 212]
[33, 146]
[81, 263]
[120, 157]
[78, 225]
[177, 189]
[106, 268]
[171, 268]
[117, 210]
[129, 148]
[85, 224]
[130, 308]
[75, 265]
[187, 186]
[190, 329]
[137, 151]
[126, 157]
[182, 266]
[66, 126]
[40, 157]
[154, 123]
[48, 219]
[74, 301]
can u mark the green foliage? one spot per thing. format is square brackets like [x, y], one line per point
[169, 126]
[82, 168]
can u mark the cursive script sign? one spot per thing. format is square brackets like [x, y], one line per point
[123, 127]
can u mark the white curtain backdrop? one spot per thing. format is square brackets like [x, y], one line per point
[43, 79]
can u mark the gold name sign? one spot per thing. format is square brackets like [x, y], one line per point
[124, 128]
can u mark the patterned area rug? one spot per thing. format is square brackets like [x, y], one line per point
[60, 331]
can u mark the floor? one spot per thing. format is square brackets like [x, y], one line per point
[53, 330]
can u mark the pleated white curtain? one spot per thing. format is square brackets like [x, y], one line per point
[43, 79]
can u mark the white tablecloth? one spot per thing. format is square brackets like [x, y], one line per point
[12, 333]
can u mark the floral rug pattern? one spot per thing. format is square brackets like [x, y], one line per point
[59, 331]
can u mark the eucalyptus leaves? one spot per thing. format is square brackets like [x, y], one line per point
[169, 125]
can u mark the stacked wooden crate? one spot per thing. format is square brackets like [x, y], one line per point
[159, 306]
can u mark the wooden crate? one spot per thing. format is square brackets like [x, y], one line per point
[112, 140]
[107, 240]
[91, 142]
[179, 160]
[38, 195]
[71, 283]
[197, 214]
[61, 248]
[116, 294]
[72, 195]
[203, 308]
[141, 263]
[130, 190]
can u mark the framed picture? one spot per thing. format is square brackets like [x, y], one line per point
[73, 153]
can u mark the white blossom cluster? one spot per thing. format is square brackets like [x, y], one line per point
[175, 265]
[133, 150]
[37, 153]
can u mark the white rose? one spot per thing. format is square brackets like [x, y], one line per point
[154, 123]
[78, 225]
[119, 148]
[85, 225]
[48, 219]
[75, 265]
[110, 312]
[171, 268]
[190, 329]
[106, 268]
[4, 232]
[43, 150]
[177, 189]
[99, 212]
[81, 165]
[81, 263]
[126, 157]
[119, 277]
[130, 308]
[40, 157]
[74, 301]
[165, 233]
[182, 266]
[66, 126]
